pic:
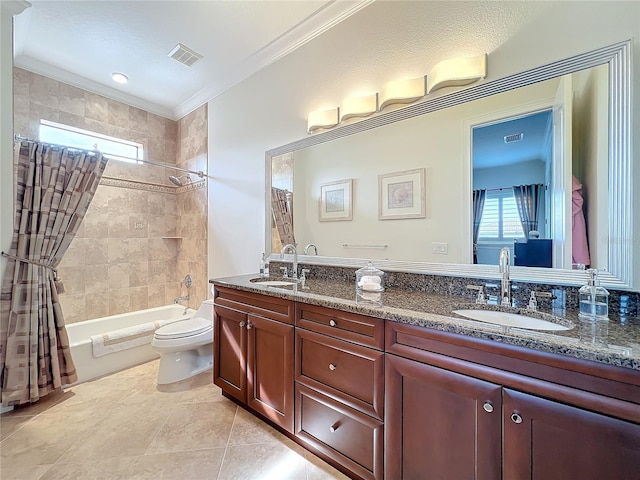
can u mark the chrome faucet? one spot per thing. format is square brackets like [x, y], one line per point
[504, 270]
[309, 247]
[294, 266]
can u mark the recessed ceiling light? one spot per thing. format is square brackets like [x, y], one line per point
[119, 77]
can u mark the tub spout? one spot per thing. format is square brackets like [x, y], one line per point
[181, 299]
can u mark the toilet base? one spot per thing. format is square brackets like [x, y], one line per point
[176, 366]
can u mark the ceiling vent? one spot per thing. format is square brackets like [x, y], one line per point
[516, 137]
[184, 55]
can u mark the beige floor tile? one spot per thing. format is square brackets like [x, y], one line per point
[195, 426]
[248, 430]
[149, 369]
[198, 389]
[265, 461]
[127, 430]
[31, 409]
[317, 469]
[201, 464]
[107, 469]
[24, 473]
[46, 438]
[9, 424]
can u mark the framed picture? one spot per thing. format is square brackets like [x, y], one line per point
[335, 201]
[401, 195]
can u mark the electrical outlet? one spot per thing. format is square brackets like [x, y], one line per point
[440, 248]
[138, 226]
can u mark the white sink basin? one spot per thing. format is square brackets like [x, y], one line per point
[276, 283]
[511, 320]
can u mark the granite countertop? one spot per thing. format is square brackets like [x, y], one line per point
[620, 347]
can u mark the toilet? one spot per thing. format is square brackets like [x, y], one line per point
[185, 346]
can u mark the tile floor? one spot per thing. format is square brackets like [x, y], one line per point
[124, 426]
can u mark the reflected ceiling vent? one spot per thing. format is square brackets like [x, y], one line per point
[516, 137]
[184, 55]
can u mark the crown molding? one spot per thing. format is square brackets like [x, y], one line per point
[41, 68]
[14, 7]
[306, 30]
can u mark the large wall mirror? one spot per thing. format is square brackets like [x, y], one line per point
[404, 188]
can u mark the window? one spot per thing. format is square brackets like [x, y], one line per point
[500, 218]
[114, 148]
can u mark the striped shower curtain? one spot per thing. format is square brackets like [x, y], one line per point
[55, 186]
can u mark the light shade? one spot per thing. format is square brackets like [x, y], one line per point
[322, 119]
[358, 106]
[457, 72]
[402, 91]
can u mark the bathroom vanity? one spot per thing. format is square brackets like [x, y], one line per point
[409, 391]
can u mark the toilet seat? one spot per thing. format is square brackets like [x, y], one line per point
[183, 328]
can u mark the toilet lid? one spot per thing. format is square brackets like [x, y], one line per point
[184, 328]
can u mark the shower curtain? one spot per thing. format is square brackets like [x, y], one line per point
[54, 186]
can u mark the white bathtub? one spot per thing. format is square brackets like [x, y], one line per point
[89, 367]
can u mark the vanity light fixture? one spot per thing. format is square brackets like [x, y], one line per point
[402, 91]
[119, 77]
[457, 72]
[358, 106]
[322, 119]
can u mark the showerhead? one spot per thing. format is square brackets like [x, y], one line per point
[176, 180]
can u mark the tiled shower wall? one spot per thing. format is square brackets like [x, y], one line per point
[125, 256]
[192, 204]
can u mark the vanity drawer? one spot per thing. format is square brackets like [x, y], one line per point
[347, 436]
[367, 331]
[271, 307]
[349, 373]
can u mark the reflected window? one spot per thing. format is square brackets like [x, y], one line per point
[500, 218]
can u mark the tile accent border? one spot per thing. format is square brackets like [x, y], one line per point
[151, 187]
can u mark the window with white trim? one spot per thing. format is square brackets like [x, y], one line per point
[111, 147]
[500, 220]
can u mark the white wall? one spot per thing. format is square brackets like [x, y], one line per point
[383, 42]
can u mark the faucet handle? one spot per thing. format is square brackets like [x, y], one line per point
[480, 299]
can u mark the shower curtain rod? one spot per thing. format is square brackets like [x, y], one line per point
[201, 174]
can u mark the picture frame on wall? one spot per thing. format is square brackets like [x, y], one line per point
[402, 195]
[336, 201]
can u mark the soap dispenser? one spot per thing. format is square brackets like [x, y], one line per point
[594, 311]
[594, 299]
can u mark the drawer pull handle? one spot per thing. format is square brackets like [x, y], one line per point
[242, 324]
[333, 428]
[332, 367]
[487, 407]
[516, 418]
[332, 323]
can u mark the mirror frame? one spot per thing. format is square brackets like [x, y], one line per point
[620, 252]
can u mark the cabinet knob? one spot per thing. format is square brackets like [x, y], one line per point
[333, 428]
[332, 323]
[516, 418]
[242, 324]
[332, 367]
[487, 407]
[249, 325]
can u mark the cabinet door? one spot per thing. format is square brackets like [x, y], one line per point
[440, 424]
[270, 370]
[229, 352]
[546, 440]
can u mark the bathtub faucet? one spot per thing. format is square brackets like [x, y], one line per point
[181, 299]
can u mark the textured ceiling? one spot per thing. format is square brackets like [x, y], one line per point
[83, 42]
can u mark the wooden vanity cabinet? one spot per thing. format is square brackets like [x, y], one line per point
[452, 418]
[339, 375]
[253, 353]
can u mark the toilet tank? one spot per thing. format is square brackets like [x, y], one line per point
[205, 310]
